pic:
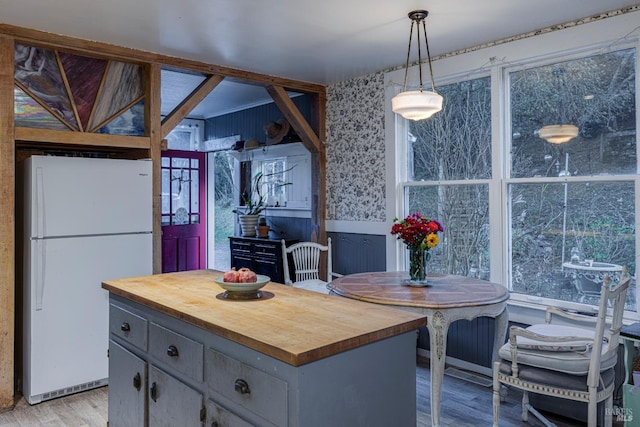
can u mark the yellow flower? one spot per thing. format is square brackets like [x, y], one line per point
[432, 240]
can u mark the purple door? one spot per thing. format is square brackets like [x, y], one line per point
[183, 211]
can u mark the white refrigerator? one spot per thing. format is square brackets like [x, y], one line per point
[84, 220]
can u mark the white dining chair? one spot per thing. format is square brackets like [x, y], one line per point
[573, 359]
[306, 265]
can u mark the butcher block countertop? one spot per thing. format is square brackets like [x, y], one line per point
[295, 326]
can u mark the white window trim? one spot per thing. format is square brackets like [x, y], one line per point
[604, 35]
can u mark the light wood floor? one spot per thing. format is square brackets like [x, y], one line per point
[464, 404]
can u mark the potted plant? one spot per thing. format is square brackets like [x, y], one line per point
[262, 229]
[254, 203]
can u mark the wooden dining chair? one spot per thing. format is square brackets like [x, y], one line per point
[306, 265]
[571, 356]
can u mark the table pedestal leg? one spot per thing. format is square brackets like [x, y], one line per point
[438, 327]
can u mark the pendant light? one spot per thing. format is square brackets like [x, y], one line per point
[559, 134]
[417, 104]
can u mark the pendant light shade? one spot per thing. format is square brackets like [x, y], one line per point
[558, 134]
[417, 104]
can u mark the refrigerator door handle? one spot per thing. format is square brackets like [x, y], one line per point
[39, 204]
[38, 271]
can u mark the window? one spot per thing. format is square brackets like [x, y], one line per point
[547, 220]
[274, 173]
[573, 203]
[448, 164]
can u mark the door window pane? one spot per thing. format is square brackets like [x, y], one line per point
[195, 188]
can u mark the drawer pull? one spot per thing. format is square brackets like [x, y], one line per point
[137, 381]
[153, 391]
[242, 387]
[125, 327]
[172, 351]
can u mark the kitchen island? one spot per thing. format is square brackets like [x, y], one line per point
[181, 354]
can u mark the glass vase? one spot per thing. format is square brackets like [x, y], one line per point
[418, 265]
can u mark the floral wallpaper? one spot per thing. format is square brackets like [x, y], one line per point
[355, 149]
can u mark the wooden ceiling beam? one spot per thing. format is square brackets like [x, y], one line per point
[51, 138]
[189, 103]
[295, 118]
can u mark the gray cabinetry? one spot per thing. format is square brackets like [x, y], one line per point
[198, 377]
[173, 403]
[257, 391]
[127, 387]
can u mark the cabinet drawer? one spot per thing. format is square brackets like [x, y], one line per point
[240, 247]
[267, 249]
[245, 385]
[176, 351]
[128, 326]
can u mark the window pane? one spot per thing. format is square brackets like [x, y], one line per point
[274, 179]
[597, 95]
[195, 189]
[179, 139]
[455, 143]
[463, 211]
[179, 162]
[551, 221]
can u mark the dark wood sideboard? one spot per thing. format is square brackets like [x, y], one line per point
[263, 256]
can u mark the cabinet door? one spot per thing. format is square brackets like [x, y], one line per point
[171, 402]
[217, 416]
[268, 260]
[268, 267]
[127, 385]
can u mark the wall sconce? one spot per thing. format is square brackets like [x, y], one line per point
[417, 104]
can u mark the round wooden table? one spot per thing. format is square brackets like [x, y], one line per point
[445, 299]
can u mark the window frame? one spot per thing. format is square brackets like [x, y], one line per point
[498, 60]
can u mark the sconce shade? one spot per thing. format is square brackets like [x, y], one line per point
[558, 134]
[416, 104]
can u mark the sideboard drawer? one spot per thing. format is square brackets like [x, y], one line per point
[177, 351]
[128, 326]
[252, 388]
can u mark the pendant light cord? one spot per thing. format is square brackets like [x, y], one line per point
[406, 68]
[426, 42]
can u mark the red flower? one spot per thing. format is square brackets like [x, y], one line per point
[415, 231]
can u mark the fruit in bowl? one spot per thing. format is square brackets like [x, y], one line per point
[242, 281]
[244, 275]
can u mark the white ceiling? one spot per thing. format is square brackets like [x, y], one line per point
[324, 41]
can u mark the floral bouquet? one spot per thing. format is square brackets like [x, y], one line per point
[419, 233]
